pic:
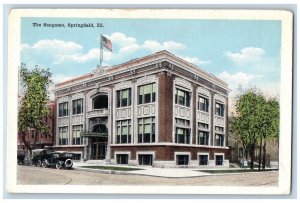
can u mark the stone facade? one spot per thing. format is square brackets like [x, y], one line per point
[157, 110]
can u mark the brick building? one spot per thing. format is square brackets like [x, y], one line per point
[157, 110]
[41, 140]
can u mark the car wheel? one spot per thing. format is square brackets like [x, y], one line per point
[58, 165]
[39, 163]
[44, 164]
[68, 163]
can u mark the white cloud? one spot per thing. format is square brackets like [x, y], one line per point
[129, 49]
[121, 39]
[79, 57]
[155, 46]
[59, 51]
[25, 46]
[246, 55]
[57, 78]
[54, 45]
[239, 78]
[195, 60]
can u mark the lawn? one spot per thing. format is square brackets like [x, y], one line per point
[235, 171]
[113, 168]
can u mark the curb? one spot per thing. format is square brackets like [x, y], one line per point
[102, 171]
[135, 174]
[113, 172]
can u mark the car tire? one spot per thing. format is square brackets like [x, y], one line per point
[44, 164]
[68, 163]
[39, 163]
[58, 165]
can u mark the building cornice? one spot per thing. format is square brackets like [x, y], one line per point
[158, 62]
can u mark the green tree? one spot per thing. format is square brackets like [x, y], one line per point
[256, 121]
[247, 123]
[33, 104]
[269, 120]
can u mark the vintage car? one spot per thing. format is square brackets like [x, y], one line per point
[21, 157]
[38, 155]
[58, 160]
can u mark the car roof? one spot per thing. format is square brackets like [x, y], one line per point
[63, 152]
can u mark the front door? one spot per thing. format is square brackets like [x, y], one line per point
[99, 150]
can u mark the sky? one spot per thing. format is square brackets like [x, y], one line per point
[241, 52]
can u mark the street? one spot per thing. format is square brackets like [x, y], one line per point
[29, 175]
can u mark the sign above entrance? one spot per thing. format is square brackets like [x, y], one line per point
[93, 134]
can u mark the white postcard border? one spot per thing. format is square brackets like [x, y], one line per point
[14, 37]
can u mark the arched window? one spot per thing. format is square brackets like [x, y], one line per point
[99, 128]
[100, 102]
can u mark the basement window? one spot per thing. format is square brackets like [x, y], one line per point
[146, 159]
[203, 160]
[182, 160]
[219, 160]
[122, 158]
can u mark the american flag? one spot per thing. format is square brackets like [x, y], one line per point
[106, 43]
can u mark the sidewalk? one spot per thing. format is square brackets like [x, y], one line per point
[150, 171]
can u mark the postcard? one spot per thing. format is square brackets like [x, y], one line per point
[149, 101]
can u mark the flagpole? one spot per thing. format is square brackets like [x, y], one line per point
[101, 50]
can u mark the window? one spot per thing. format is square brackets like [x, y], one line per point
[182, 136]
[147, 93]
[182, 159]
[182, 122]
[219, 129]
[122, 158]
[182, 133]
[145, 159]
[182, 97]
[219, 140]
[124, 131]
[219, 160]
[77, 106]
[203, 104]
[146, 131]
[203, 137]
[203, 126]
[203, 159]
[100, 102]
[63, 135]
[63, 109]
[219, 109]
[124, 98]
[76, 139]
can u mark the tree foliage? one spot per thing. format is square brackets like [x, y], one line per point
[33, 104]
[257, 119]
